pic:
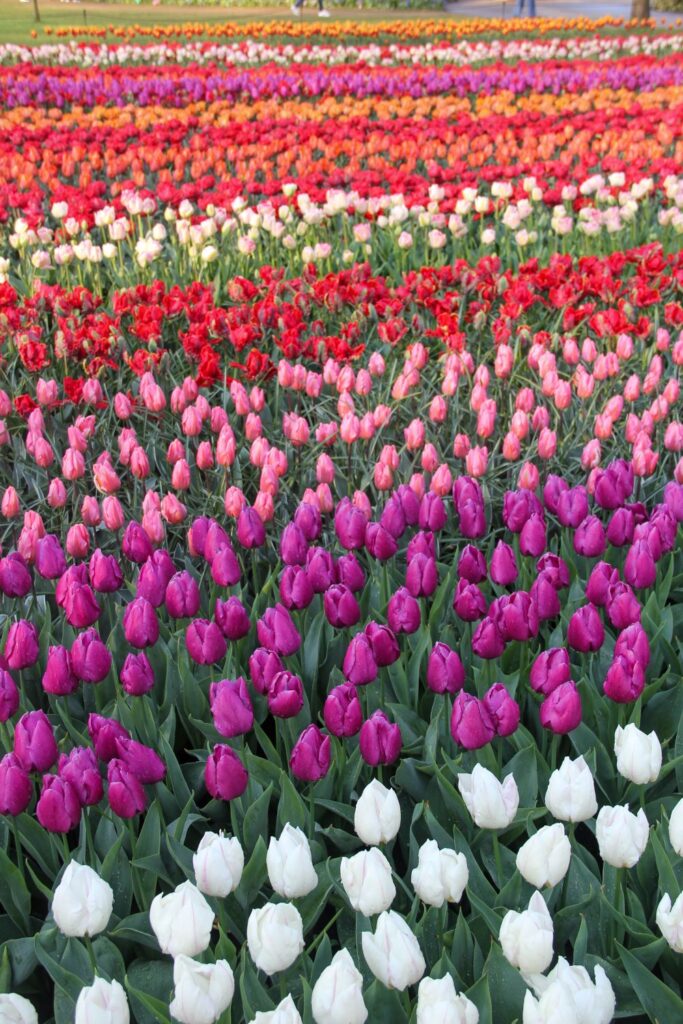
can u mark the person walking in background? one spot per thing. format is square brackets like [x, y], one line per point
[298, 5]
[519, 9]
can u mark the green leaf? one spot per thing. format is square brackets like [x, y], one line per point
[14, 894]
[291, 808]
[656, 998]
[255, 824]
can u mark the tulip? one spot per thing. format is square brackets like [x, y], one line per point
[403, 611]
[16, 788]
[342, 711]
[492, 804]
[439, 1003]
[640, 569]
[623, 607]
[14, 1009]
[275, 937]
[233, 714]
[471, 724]
[82, 903]
[290, 864]
[527, 937]
[532, 537]
[440, 876]
[432, 513]
[308, 520]
[141, 760]
[367, 881]
[503, 565]
[205, 642]
[392, 952]
[310, 758]
[359, 666]
[639, 756]
[572, 506]
[34, 742]
[79, 767]
[341, 607]
[225, 569]
[104, 732]
[21, 645]
[567, 994]
[622, 836]
[561, 710]
[104, 572]
[350, 573]
[125, 793]
[633, 640]
[377, 816]
[469, 602]
[182, 596]
[337, 994]
[284, 1013]
[140, 623]
[350, 525]
[218, 864]
[277, 631]
[571, 791]
[250, 530]
[103, 1001]
[379, 740]
[585, 631]
[543, 860]
[225, 776]
[675, 827]
[625, 679]
[550, 669]
[182, 921]
[50, 559]
[15, 578]
[58, 808]
[503, 710]
[202, 992]
[9, 695]
[154, 576]
[445, 672]
[620, 527]
[670, 921]
[264, 665]
[285, 695]
[90, 659]
[555, 569]
[602, 577]
[136, 545]
[487, 641]
[137, 674]
[383, 644]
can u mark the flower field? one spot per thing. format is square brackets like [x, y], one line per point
[341, 475]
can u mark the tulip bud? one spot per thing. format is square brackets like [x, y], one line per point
[80, 768]
[544, 858]
[342, 711]
[125, 793]
[337, 994]
[218, 864]
[82, 902]
[182, 921]
[367, 881]
[471, 724]
[14, 1009]
[492, 804]
[445, 672]
[379, 740]
[16, 788]
[202, 992]
[527, 937]
[205, 642]
[670, 921]
[439, 1003]
[639, 756]
[622, 836]
[58, 808]
[225, 776]
[392, 952]
[440, 876]
[102, 1001]
[275, 937]
[310, 758]
[290, 865]
[377, 816]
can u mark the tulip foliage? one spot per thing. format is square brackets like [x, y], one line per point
[340, 576]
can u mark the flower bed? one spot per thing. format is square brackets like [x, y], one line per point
[340, 491]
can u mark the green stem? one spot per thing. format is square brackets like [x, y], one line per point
[499, 861]
[91, 955]
[66, 852]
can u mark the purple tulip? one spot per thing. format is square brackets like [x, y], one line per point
[277, 631]
[620, 527]
[251, 533]
[554, 487]
[80, 768]
[225, 776]
[469, 603]
[432, 513]
[310, 759]
[154, 576]
[648, 535]
[472, 519]
[471, 724]
[9, 696]
[293, 545]
[380, 740]
[81, 607]
[466, 488]
[403, 612]
[50, 558]
[349, 572]
[90, 659]
[445, 672]
[673, 498]
[625, 679]
[550, 669]
[486, 640]
[205, 643]
[634, 638]
[215, 541]
[104, 732]
[59, 677]
[136, 545]
[264, 665]
[321, 569]
[15, 577]
[360, 666]
[21, 646]
[555, 568]
[296, 589]
[586, 631]
[516, 616]
[182, 596]
[572, 506]
[232, 618]
[502, 708]
[422, 577]
[421, 544]
[137, 675]
[196, 535]
[233, 714]
[285, 695]
[16, 788]
[124, 791]
[142, 761]
[589, 538]
[623, 607]
[104, 572]
[379, 542]
[393, 518]
[140, 623]
[308, 519]
[601, 579]
[341, 607]
[664, 525]
[532, 537]
[640, 569]
[614, 484]
[58, 808]
[472, 565]
[503, 565]
[410, 503]
[225, 568]
[383, 642]
[518, 507]
[545, 598]
[34, 742]
[561, 710]
[349, 525]
[342, 711]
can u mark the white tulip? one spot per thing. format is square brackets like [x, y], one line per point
[670, 921]
[527, 937]
[275, 936]
[622, 836]
[14, 1009]
[492, 804]
[284, 1013]
[569, 991]
[367, 881]
[639, 755]
[338, 993]
[439, 1003]
[552, 1008]
[393, 953]
[440, 876]
[676, 828]
[571, 791]
[201, 991]
[218, 864]
[290, 864]
[377, 817]
[544, 858]
[103, 1002]
[83, 902]
[182, 921]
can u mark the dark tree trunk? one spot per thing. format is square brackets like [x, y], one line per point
[36, 11]
[640, 9]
